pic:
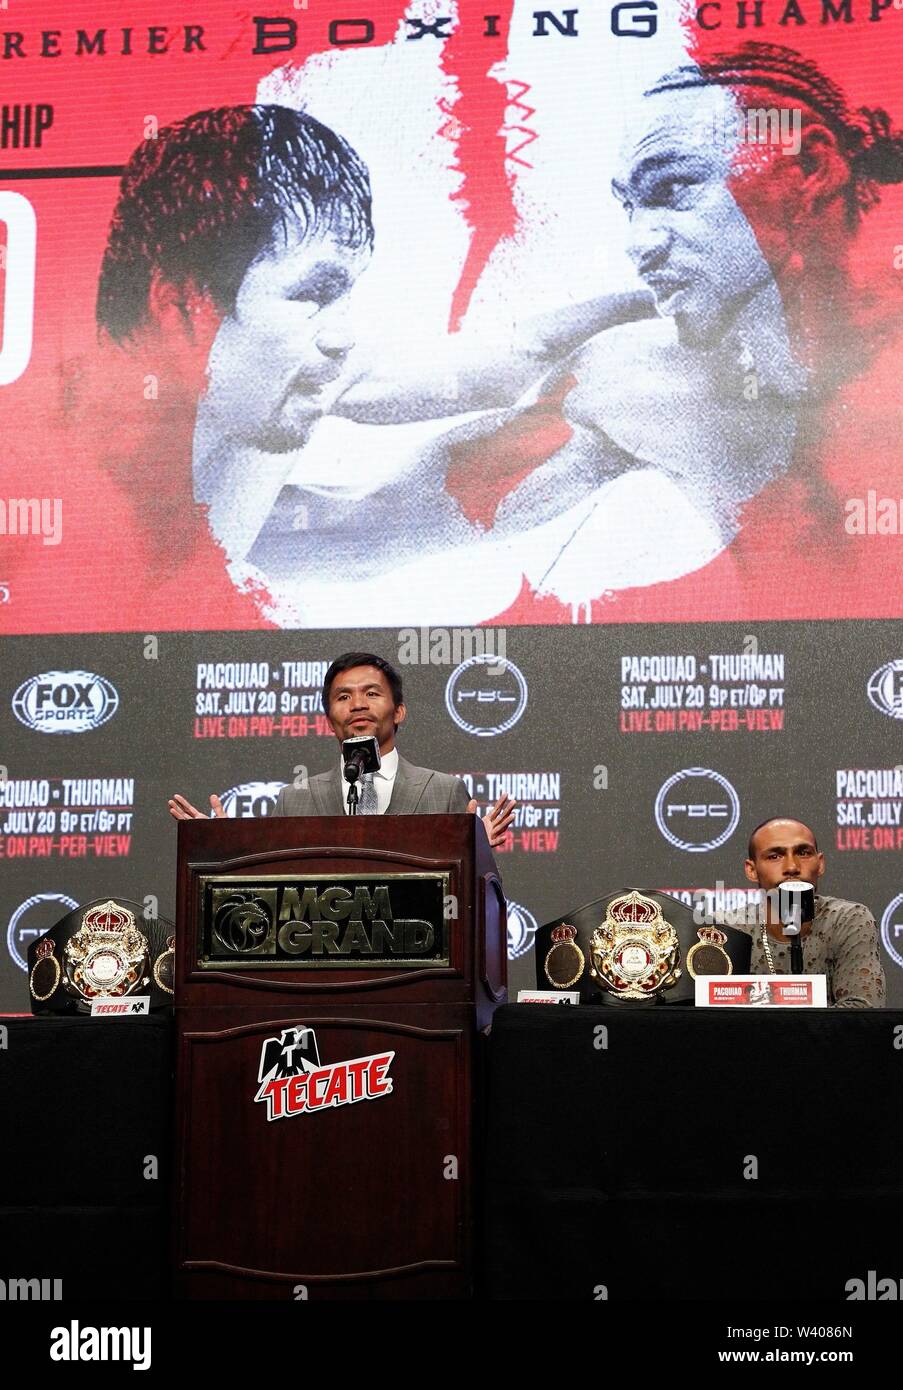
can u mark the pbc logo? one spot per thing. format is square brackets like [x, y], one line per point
[251, 799]
[292, 1080]
[885, 689]
[65, 702]
[486, 695]
[892, 929]
[522, 928]
[31, 919]
[697, 809]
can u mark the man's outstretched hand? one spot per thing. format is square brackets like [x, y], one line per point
[496, 821]
[180, 809]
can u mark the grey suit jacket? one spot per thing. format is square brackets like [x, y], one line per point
[417, 791]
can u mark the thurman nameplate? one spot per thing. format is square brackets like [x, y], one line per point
[323, 921]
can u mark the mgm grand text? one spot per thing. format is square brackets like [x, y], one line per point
[315, 923]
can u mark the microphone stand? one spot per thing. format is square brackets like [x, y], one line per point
[790, 910]
[353, 770]
[794, 929]
[353, 766]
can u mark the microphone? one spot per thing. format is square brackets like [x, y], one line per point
[796, 906]
[360, 755]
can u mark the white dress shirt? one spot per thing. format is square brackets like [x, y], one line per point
[383, 782]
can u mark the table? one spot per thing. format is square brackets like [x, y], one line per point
[691, 1154]
[86, 1105]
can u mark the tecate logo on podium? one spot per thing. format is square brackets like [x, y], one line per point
[65, 702]
[697, 809]
[293, 1081]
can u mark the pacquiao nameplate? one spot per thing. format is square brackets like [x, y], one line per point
[763, 991]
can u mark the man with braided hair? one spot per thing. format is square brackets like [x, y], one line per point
[770, 324]
[748, 249]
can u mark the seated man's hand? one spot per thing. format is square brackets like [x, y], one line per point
[180, 809]
[496, 821]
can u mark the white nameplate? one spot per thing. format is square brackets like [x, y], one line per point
[762, 991]
[121, 1008]
[548, 996]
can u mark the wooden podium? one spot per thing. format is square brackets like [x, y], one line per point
[334, 976]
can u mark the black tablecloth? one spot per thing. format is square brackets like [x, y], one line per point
[621, 1164]
[86, 1105]
[613, 1170]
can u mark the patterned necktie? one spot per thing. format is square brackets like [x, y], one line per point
[368, 804]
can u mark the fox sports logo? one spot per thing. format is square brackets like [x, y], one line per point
[65, 702]
[251, 799]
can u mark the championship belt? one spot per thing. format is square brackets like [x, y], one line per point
[107, 956]
[165, 967]
[636, 945]
[565, 961]
[708, 956]
[103, 950]
[45, 974]
[634, 953]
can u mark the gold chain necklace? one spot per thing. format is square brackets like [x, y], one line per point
[768, 955]
[767, 948]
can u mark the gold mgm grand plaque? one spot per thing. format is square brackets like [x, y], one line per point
[634, 953]
[323, 921]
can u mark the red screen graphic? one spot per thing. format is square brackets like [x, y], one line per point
[449, 314]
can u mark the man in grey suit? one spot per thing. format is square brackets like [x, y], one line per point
[363, 695]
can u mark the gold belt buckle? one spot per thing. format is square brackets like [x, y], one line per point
[634, 953]
[108, 956]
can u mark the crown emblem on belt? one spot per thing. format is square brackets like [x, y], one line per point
[634, 953]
